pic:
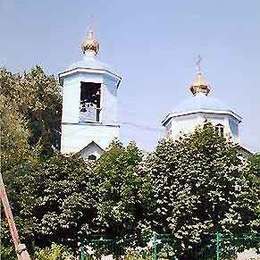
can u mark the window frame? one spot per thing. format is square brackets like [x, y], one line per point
[219, 129]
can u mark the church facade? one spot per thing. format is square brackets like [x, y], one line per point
[89, 114]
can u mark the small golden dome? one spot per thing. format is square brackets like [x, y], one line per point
[90, 44]
[200, 85]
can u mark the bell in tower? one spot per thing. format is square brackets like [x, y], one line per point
[89, 113]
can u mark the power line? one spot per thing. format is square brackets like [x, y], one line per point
[144, 127]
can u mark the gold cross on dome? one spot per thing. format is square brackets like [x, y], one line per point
[198, 63]
[92, 23]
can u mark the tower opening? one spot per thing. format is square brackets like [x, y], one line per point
[90, 102]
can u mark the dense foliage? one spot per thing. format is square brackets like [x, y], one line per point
[199, 188]
[188, 189]
[58, 200]
[35, 97]
[123, 192]
[14, 136]
[55, 252]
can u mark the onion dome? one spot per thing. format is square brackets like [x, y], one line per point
[200, 101]
[200, 85]
[90, 48]
[200, 104]
[90, 44]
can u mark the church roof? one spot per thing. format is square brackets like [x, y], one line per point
[90, 49]
[201, 102]
[90, 62]
[92, 143]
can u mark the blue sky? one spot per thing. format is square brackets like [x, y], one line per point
[154, 45]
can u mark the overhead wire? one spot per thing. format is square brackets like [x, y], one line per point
[143, 127]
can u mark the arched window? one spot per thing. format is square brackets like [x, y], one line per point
[92, 157]
[219, 128]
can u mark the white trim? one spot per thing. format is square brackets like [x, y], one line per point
[90, 143]
[89, 70]
[223, 112]
[89, 124]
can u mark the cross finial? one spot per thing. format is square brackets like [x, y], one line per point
[91, 23]
[198, 63]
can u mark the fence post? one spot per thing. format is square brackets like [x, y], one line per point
[82, 251]
[218, 242]
[154, 246]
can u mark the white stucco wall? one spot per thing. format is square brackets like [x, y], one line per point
[71, 99]
[76, 135]
[109, 101]
[186, 123]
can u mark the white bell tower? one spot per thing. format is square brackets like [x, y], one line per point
[89, 113]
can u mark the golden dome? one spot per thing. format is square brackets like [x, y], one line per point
[200, 85]
[90, 44]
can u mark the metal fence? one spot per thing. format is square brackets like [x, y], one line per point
[95, 247]
[228, 246]
[165, 247]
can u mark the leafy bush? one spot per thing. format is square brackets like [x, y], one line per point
[138, 253]
[7, 253]
[55, 252]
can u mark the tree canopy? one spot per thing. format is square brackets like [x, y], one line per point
[200, 187]
[36, 97]
[190, 188]
[122, 192]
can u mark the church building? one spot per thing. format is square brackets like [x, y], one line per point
[89, 113]
[201, 107]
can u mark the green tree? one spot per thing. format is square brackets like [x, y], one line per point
[122, 192]
[14, 136]
[254, 168]
[15, 154]
[37, 98]
[253, 176]
[199, 188]
[30, 107]
[64, 199]
[57, 201]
